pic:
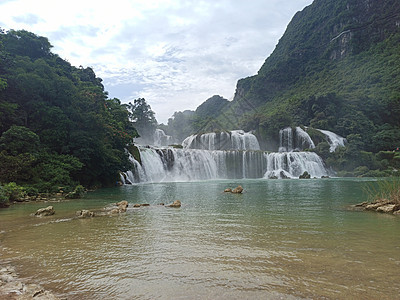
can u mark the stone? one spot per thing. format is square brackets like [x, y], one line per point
[141, 204]
[237, 190]
[114, 211]
[85, 213]
[44, 212]
[123, 203]
[388, 208]
[374, 206]
[228, 191]
[305, 175]
[175, 204]
[122, 206]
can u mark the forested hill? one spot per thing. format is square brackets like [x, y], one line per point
[57, 126]
[337, 67]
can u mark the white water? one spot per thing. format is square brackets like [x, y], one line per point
[168, 164]
[294, 141]
[333, 139]
[230, 155]
[161, 139]
[234, 140]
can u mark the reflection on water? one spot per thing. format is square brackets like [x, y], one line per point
[280, 239]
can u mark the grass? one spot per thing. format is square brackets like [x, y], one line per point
[386, 190]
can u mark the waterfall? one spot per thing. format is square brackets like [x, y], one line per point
[297, 140]
[161, 139]
[286, 140]
[170, 164]
[233, 140]
[333, 139]
[293, 164]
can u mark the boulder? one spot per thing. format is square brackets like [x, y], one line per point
[176, 204]
[374, 206]
[237, 190]
[43, 212]
[123, 203]
[305, 175]
[122, 206]
[388, 208]
[85, 213]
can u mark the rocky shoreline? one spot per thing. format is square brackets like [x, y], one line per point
[382, 206]
[13, 288]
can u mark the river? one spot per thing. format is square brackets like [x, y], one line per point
[280, 239]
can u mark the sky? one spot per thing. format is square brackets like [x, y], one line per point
[174, 53]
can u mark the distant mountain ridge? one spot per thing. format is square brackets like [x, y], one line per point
[335, 58]
[336, 68]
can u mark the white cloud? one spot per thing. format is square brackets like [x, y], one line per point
[175, 53]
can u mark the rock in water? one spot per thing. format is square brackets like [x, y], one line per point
[122, 206]
[237, 190]
[228, 191]
[85, 213]
[176, 203]
[305, 175]
[47, 211]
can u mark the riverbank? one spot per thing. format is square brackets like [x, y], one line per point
[14, 288]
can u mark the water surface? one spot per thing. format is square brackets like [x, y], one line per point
[280, 239]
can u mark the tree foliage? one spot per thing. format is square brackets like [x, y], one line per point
[57, 125]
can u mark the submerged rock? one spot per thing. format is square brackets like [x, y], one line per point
[175, 204]
[140, 205]
[44, 212]
[11, 287]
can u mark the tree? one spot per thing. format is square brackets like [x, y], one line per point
[142, 117]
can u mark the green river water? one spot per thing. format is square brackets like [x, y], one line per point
[280, 239]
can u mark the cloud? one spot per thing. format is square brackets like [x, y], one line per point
[29, 19]
[175, 53]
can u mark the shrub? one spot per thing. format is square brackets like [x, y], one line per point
[3, 198]
[14, 192]
[78, 193]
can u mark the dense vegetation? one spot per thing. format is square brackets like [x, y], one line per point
[337, 67]
[57, 126]
[203, 119]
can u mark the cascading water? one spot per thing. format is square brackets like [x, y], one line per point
[230, 155]
[333, 139]
[161, 139]
[291, 140]
[233, 140]
[170, 164]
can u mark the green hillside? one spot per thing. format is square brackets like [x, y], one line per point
[337, 67]
[57, 126]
